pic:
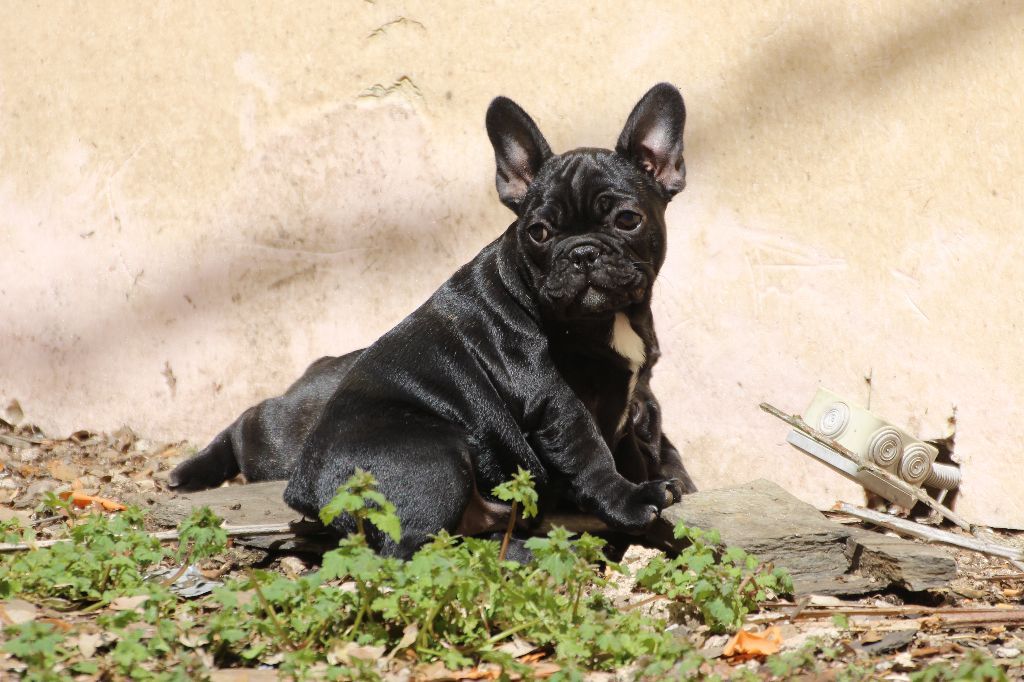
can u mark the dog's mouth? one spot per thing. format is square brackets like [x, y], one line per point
[593, 297]
[572, 292]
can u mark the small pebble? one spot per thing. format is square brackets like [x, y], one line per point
[29, 455]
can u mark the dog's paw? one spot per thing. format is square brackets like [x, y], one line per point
[661, 493]
[643, 504]
[674, 490]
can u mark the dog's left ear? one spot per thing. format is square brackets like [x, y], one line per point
[653, 137]
[519, 149]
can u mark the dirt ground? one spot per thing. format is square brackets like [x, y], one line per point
[890, 634]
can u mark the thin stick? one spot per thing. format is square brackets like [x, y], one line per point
[1004, 576]
[508, 532]
[930, 534]
[231, 531]
[644, 602]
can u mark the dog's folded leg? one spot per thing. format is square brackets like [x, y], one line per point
[210, 467]
[573, 447]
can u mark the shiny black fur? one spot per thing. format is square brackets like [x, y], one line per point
[509, 363]
[263, 444]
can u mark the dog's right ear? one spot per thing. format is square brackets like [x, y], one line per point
[653, 137]
[519, 149]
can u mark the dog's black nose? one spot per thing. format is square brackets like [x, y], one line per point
[584, 256]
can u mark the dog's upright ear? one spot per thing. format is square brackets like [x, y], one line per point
[653, 137]
[519, 149]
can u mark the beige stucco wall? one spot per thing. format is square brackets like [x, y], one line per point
[198, 199]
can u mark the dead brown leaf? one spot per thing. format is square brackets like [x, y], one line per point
[409, 635]
[59, 623]
[62, 471]
[345, 652]
[17, 611]
[82, 500]
[129, 603]
[243, 675]
[745, 645]
[88, 642]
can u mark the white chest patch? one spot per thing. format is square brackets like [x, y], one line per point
[627, 343]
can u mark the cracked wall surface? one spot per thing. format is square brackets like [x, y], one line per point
[198, 199]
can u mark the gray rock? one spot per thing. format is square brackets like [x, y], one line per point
[822, 556]
[33, 495]
[911, 565]
[768, 522]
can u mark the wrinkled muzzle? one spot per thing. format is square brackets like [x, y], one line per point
[589, 278]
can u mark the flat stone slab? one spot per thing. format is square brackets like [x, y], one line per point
[238, 505]
[822, 556]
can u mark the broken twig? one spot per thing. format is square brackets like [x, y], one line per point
[231, 531]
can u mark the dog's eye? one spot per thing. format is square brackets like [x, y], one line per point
[628, 220]
[539, 232]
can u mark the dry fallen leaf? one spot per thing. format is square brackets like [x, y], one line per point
[82, 500]
[243, 675]
[17, 611]
[543, 669]
[62, 471]
[292, 566]
[433, 671]
[516, 647]
[871, 636]
[22, 515]
[409, 635]
[484, 672]
[345, 652]
[128, 603]
[750, 644]
[59, 623]
[88, 642]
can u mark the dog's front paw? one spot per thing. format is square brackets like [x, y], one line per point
[674, 490]
[643, 504]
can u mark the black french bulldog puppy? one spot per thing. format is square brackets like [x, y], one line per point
[529, 356]
[264, 442]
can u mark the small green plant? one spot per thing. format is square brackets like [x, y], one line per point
[106, 558]
[359, 498]
[518, 490]
[976, 667]
[199, 536]
[12, 531]
[104, 562]
[456, 601]
[40, 646]
[723, 584]
[52, 503]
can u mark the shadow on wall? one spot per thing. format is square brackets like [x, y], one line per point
[338, 214]
[797, 67]
[310, 229]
